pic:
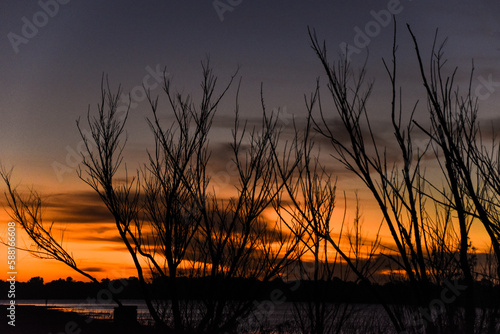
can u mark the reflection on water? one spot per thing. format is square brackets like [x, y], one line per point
[87, 307]
[281, 318]
[282, 314]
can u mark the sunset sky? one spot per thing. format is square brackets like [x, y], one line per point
[51, 74]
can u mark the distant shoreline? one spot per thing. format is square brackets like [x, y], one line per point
[241, 289]
[41, 319]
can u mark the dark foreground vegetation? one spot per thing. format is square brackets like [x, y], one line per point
[335, 291]
[349, 298]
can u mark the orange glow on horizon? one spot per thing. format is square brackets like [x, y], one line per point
[96, 247]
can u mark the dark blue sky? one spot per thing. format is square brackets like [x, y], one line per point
[50, 81]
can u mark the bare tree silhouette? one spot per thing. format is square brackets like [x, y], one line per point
[175, 213]
[26, 210]
[311, 190]
[454, 130]
[424, 245]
